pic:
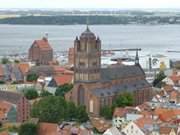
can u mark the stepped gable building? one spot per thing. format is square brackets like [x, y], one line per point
[41, 52]
[96, 87]
[22, 105]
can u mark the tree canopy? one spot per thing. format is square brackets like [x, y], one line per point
[5, 61]
[45, 93]
[2, 82]
[55, 109]
[63, 89]
[30, 93]
[28, 129]
[123, 99]
[158, 79]
[32, 77]
[16, 61]
[106, 112]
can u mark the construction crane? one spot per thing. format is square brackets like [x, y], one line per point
[117, 50]
[173, 51]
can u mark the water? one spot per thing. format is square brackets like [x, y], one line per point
[152, 39]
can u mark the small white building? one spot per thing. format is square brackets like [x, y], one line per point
[132, 129]
[112, 131]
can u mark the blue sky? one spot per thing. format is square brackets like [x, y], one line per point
[121, 4]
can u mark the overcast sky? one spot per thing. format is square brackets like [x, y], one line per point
[120, 4]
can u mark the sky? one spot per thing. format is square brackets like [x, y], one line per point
[118, 4]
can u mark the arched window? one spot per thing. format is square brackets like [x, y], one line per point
[81, 96]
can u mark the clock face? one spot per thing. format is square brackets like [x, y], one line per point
[155, 62]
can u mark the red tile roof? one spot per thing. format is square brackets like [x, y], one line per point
[165, 130]
[53, 129]
[120, 112]
[4, 108]
[166, 115]
[24, 68]
[43, 44]
[4, 133]
[58, 69]
[144, 121]
[175, 78]
[168, 88]
[47, 129]
[174, 94]
[63, 79]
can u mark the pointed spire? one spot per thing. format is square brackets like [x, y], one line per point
[76, 37]
[87, 24]
[137, 58]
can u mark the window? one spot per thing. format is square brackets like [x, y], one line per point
[81, 63]
[78, 47]
[94, 63]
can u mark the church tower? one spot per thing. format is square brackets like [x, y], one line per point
[87, 57]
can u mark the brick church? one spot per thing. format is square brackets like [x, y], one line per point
[41, 52]
[95, 86]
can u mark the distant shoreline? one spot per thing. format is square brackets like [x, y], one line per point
[93, 20]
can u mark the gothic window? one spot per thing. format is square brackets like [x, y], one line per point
[91, 106]
[97, 47]
[94, 63]
[102, 102]
[78, 47]
[81, 96]
[81, 64]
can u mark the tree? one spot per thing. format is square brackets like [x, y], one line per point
[5, 61]
[55, 109]
[63, 89]
[82, 116]
[158, 79]
[50, 109]
[13, 128]
[28, 129]
[2, 82]
[16, 61]
[177, 66]
[123, 99]
[106, 112]
[30, 93]
[45, 93]
[32, 77]
[71, 111]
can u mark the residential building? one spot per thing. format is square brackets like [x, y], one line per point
[7, 112]
[21, 103]
[64, 129]
[112, 131]
[132, 129]
[61, 80]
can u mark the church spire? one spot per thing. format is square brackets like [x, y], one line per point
[87, 24]
[137, 58]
